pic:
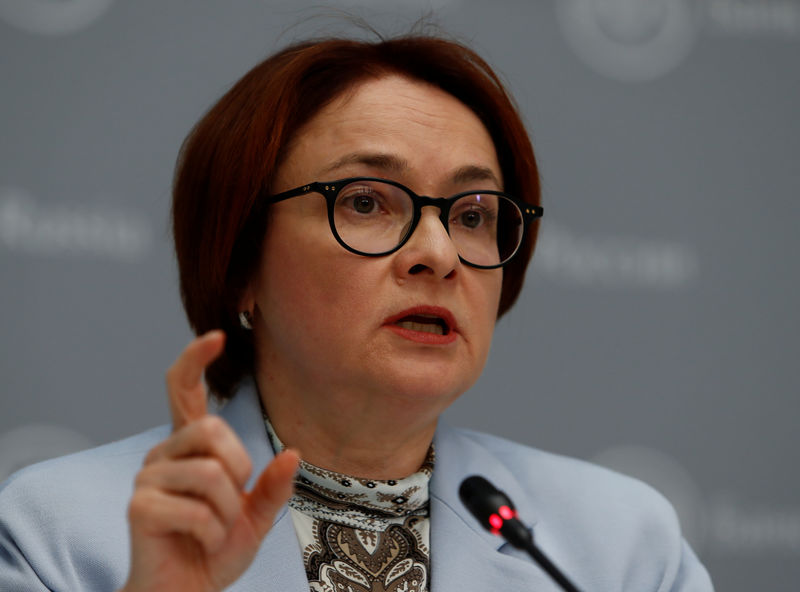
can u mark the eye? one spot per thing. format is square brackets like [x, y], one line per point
[364, 204]
[368, 200]
[361, 198]
[475, 212]
[471, 218]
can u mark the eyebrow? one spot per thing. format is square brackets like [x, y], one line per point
[379, 160]
[470, 173]
[394, 164]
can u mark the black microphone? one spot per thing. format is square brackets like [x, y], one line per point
[497, 514]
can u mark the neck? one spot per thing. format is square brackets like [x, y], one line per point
[388, 440]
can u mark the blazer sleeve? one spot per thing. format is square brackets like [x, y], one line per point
[63, 522]
[23, 548]
[691, 575]
[15, 571]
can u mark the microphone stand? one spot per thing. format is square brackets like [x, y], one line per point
[494, 510]
[549, 566]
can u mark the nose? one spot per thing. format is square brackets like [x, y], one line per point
[429, 250]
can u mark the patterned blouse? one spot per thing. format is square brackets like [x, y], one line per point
[362, 535]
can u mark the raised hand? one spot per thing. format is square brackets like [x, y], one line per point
[193, 526]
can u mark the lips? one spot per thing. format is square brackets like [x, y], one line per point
[426, 324]
[431, 325]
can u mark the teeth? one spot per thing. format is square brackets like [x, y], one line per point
[423, 327]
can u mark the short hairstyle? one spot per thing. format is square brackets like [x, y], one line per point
[229, 160]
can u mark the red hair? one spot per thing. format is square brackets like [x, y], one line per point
[230, 158]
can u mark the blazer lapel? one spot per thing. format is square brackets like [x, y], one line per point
[464, 555]
[278, 566]
[462, 559]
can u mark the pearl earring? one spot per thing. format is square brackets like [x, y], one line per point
[246, 320]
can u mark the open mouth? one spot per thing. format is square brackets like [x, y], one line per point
[424, 324]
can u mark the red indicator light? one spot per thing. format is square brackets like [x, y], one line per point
[496, 521]
[506, 512]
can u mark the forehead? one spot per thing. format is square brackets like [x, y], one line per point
[418, 124]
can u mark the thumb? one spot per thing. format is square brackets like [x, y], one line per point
[272, 490]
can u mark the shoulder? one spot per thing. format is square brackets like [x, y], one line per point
[548, 474]
[54, 482]
[608, 526]
[71, 511]
[531, 464]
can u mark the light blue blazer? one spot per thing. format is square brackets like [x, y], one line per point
[63, 522]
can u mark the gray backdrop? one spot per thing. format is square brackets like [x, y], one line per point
[657, 332]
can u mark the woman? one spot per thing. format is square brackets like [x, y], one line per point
[353, 310]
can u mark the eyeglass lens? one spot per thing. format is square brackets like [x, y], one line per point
[374, 217]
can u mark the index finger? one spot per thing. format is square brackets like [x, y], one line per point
[185, 389]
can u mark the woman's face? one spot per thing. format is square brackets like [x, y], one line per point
[329, 324]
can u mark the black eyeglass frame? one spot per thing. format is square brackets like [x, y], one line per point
[330, 191]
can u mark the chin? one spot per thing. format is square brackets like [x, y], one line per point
[426, 387]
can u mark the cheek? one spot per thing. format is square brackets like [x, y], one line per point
[310, 284]
[492, 288]
[491, 301]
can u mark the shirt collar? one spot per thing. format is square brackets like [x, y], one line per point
[357, 499]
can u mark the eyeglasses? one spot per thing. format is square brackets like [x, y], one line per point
[375, 217]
